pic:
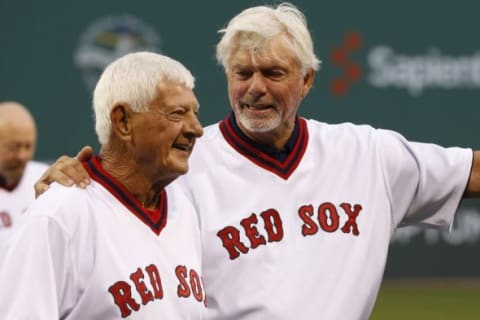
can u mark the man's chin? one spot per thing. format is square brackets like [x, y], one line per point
[180, 169]
[259, 126]
[11, 179]
[259, 123]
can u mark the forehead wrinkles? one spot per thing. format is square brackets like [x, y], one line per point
[171, 94]
[272, 51]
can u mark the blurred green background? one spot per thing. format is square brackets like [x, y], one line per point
[427, 299]
[411, 66]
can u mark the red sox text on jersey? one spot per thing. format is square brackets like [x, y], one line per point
[328, 220]
[147, 282]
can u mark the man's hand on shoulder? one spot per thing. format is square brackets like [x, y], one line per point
[66, 171]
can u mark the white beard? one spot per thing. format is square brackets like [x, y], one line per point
[253, 124]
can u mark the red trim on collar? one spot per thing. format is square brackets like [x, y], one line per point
[284, 168]
[154, 219]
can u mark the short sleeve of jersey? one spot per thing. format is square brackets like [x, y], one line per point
[37, 275]
[425, 181]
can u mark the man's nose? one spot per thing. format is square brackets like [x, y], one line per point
[258, 85]
[194, 126]
[24, 153]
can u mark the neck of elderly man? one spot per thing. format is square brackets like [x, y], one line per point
[118, 160]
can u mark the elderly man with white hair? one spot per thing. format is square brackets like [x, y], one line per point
[296, 214]
[127, 245]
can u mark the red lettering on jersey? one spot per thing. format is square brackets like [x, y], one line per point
[145, 294]
[328, 216]
[196, 285]
[309, 227]
[6, 219]
[122, 296]
[230, 237]
[252, 232]
[183, 289]
[351, 224]
[155, 281]
[122, 291]
[271, 218]
[327, 226]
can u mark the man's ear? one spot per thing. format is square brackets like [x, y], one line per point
[121, 118]
[308, 82]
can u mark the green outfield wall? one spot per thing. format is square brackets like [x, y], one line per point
[411, 66]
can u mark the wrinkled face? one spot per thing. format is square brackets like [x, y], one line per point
[17, 146]
[164, 136]
[265, 88]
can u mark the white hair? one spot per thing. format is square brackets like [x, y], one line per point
[254, 27]
[133, 80]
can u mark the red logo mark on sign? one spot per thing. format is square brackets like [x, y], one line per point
[351, 71]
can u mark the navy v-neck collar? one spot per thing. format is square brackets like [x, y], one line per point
[282, 163]
[154, 219]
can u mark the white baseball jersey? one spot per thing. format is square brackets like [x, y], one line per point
[13, 203]
[97, 254]
[306, 237]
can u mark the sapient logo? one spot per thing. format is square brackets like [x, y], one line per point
[419, 72]
[109, 38]
[351, 70]
[385, 68]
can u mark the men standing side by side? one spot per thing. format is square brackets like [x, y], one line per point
[128, 245]
[18, 172]
[296, 215]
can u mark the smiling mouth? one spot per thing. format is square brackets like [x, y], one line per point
[183, 147]
[257, 107]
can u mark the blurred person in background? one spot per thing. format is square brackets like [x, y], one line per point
[18, 172]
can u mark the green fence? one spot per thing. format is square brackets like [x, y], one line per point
[411, 66]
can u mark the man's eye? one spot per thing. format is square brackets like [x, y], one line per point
[243, 74]
[12, 147]
[275, 74]
[176, 115]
